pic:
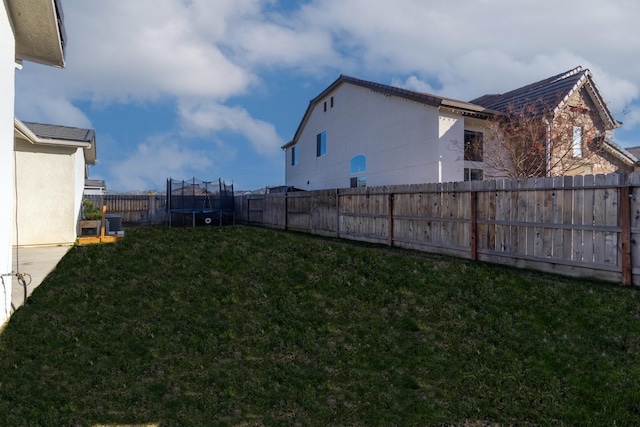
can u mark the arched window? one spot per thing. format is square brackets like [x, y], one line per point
[358, 164]
[358, 167]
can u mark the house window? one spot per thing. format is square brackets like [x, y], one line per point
[332, 102]
[577, 141]
[321, 144]
[325, 105]
[358, 165]
[473, 174]
[358, 181]
[473, 142]
[294, 156]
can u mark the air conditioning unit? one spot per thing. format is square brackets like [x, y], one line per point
[113, 224]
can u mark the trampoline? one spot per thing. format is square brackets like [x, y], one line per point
[199, 202]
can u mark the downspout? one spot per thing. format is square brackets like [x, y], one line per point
[548, 147]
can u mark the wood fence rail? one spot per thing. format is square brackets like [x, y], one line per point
[585, 226]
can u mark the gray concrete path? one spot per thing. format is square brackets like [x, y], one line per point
[37, 261]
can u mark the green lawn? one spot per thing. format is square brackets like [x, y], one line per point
[247, 326]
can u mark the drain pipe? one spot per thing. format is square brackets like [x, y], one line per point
[22, 281]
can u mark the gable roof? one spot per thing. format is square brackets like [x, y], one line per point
[462, 107]
[549, 95]
[64, 136]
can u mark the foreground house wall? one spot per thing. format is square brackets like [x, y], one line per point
[7, 96]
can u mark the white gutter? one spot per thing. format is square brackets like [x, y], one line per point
[27, 134]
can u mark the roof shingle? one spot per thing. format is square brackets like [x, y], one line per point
[64, 133]
[543, 96]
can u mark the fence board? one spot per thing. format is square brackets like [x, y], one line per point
[635, 225]
[611, 218]
[599, 209]
[578, 201]
[522, 216]
[587, 217]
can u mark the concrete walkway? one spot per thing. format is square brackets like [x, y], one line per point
[37, 261]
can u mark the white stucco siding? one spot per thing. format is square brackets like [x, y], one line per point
[46, 204]
[79, 177]
[451, 134]
[398, 137]
[7, 95]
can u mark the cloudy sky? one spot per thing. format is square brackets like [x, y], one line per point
[213, 88]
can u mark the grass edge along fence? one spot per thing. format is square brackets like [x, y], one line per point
[582, 226]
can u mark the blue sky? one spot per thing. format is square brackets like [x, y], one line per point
[204, 88]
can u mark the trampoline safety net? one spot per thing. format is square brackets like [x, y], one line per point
[195, 202]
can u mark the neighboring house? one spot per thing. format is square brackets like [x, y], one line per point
[51, 165]
[359, 133]
[29, 31]
[635, 151]
[94, 187]
[578, 137]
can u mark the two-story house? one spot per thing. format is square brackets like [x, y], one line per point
[359, 133]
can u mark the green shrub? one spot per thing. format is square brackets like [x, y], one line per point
[90, 210]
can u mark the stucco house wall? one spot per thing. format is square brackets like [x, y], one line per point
[404, 141]
[7, 96]
[47, 214]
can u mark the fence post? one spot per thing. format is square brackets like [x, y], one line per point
[337, 213]
[390, 219]
[152, 208]
[248, 211]
[474, 225]
[624, 215]
[286, 210]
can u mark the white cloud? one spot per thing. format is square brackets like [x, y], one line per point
[632, 119]
[206, 118]
[155, 160]
[471, 49]
[148, 49]
[415, 84]
[57, 110]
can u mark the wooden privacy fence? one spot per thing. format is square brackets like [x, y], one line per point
[134, 209]
[586, 226]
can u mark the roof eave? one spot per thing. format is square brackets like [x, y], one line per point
[89, 147]
[39, 31]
